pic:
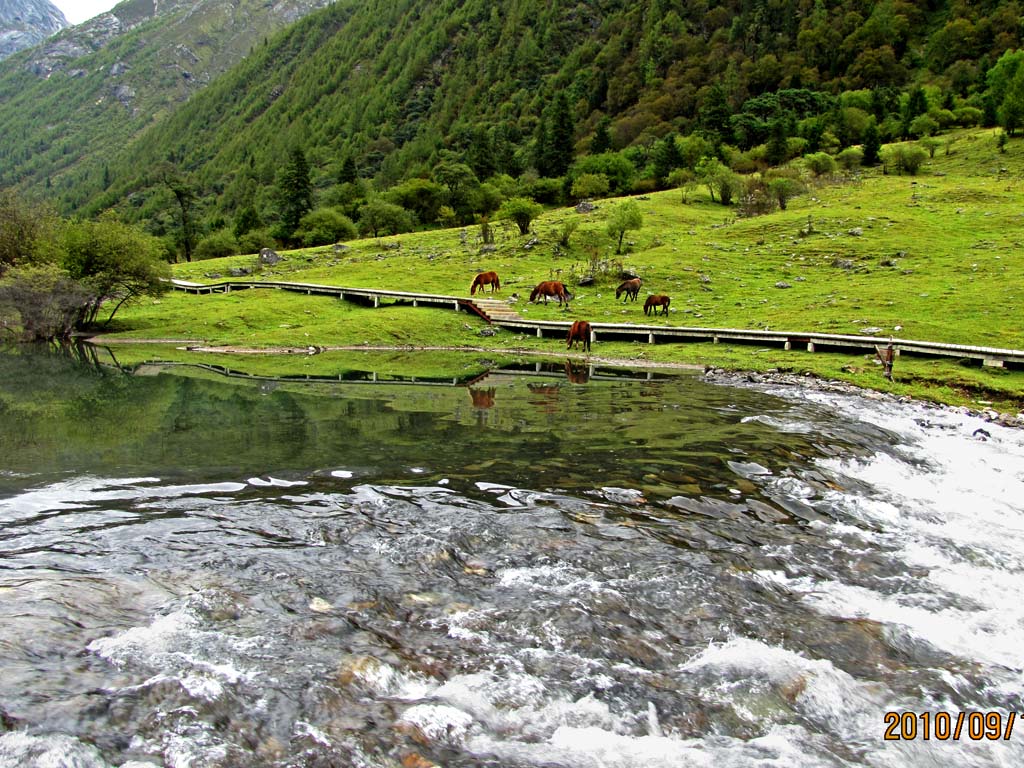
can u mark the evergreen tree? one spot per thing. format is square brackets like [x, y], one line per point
[777, 151]
[917, 104]
[505, 160]
[295, 192]
[602, 141]
[348, 173]
[667, 158]
[1011, 110]
[599, 93]
[480, 155]
[185, 195]
[541, 142]
[715, 116]
[247, 220]
[872, 144]
[556, 151]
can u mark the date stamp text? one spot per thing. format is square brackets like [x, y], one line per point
[945, 726]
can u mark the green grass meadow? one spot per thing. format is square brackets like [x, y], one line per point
[934, 257]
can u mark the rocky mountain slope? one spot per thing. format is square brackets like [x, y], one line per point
[23, 23]
[90, 89]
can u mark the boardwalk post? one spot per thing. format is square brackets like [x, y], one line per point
[886, 356]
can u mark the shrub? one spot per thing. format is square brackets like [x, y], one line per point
[968, 117]
[616, 167]
[590, 185]
[325, 226]
[217, 245]
[255, 240]
[378, 217]
[851, 158]
[923, 125]
[821, 164]
[520, 210]
[906, 158]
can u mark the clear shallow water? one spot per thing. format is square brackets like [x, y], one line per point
[528, 572]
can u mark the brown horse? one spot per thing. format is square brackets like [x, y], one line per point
[653, 302]
[483, 279]
[551, 288]
[630, 287]
[579, 333]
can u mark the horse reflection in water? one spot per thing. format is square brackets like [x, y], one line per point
[577, 374]
[482, 398]
[545, 396]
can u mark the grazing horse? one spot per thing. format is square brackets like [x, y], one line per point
[579, 333]
[653, 302]
[483, 279]
[630, 287]
[551, 288]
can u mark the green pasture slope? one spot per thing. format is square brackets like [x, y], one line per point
[935, 257]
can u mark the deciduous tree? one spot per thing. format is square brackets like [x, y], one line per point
[117, 262]
[379, 217]
[521, 210]
[624, 218]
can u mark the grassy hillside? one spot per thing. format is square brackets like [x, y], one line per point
[934, 257]
[393, 86]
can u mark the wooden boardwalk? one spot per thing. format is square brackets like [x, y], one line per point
[499, 312]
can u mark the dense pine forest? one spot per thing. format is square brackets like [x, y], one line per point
[385, 116]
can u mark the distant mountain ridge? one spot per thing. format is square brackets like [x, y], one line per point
[87, 91]
[23, 23]
[397, 86]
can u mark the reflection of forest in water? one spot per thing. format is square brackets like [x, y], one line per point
[565, 424]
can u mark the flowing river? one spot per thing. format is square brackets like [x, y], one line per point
[602, 571]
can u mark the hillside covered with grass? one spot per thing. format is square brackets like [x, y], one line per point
[934, 257]
[447, 110]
